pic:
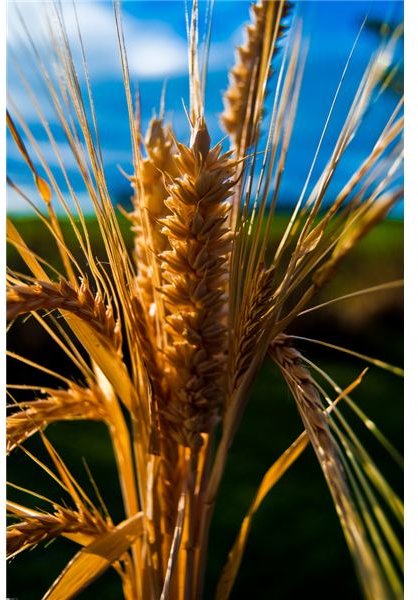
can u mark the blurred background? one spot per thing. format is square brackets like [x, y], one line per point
[155, 36]
[296, 546]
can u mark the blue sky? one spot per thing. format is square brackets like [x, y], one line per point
[157, 50]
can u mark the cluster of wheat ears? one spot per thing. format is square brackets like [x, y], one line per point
[173, 339]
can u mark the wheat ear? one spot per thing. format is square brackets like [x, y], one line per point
[251, 70]
[250, 325]
[44, 295]
[41, 527]
[149, 206]
[60, 405]
[194, 285]
[309, 405]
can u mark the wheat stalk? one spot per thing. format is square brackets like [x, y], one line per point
[311, 411]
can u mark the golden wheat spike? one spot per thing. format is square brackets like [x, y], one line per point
[40, 527]
[76, 403]
[150, 193]
[44, 295]
[194, 273]
[251, 324]
[249, 75]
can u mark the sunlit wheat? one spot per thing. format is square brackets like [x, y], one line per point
[167, 344]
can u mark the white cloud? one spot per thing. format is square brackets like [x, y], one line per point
[154, 49]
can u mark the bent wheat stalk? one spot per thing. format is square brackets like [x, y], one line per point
[76, 403]
[38, 527]
[81, 302]
[166, 346]
[310, 408]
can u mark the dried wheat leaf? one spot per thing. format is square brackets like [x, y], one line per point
[25, 252]
[276, 471]
[106, 358]
[95, 559]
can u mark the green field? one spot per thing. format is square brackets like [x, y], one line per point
[296, 547]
